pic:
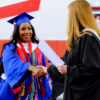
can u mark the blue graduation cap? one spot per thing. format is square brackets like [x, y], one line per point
[23, 17]
[1, 59]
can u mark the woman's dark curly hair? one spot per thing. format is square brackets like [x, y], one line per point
[15, 36]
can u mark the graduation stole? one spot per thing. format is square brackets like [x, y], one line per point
[38, 81]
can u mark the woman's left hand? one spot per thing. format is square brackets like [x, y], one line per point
[62, 69]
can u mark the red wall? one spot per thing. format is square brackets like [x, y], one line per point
[59, 47]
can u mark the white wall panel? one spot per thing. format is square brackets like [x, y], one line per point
[49, 22]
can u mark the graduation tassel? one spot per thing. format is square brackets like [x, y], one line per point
[14, 25]
[23, 89]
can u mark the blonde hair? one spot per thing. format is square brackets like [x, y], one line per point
[80, 16]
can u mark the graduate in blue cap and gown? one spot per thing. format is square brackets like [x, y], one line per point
[20, 59]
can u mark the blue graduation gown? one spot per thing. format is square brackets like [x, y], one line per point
[16, 73]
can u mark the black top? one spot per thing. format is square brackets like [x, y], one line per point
[82, 81]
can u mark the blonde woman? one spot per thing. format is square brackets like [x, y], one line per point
[82, 59]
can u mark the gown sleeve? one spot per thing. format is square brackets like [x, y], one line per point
[58, 81]
[13, 66]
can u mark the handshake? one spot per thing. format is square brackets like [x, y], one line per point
[39, 71]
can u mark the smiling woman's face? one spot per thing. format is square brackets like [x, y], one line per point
[25, 32]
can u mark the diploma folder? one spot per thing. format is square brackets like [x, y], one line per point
[49, 53]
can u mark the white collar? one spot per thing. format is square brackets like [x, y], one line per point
[93, 32]
[3, 76]
[26, 46]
